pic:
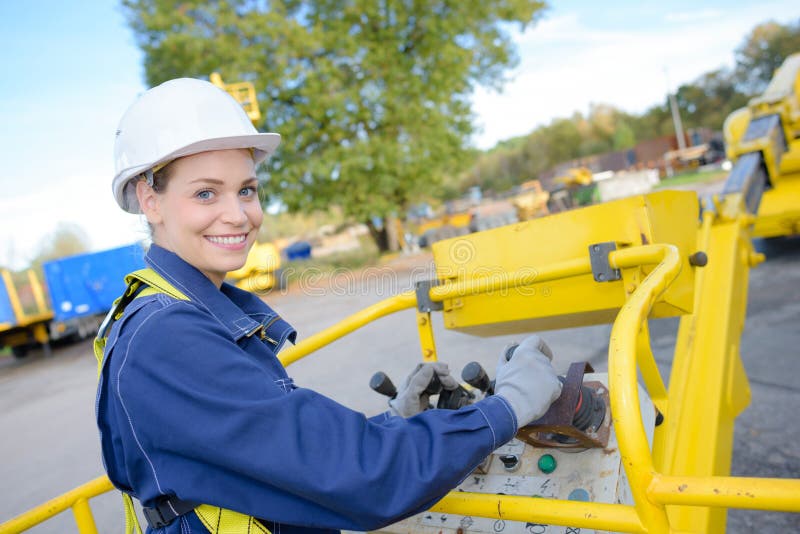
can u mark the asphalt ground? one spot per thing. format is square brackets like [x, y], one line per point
[49, 439]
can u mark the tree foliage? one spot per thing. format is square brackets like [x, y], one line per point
[762, 53]
[371, 97]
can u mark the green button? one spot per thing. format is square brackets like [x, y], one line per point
[547, 464]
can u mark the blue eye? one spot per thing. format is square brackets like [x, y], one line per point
[248, 191]
[204, 194]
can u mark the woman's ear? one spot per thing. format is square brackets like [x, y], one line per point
[148, 202]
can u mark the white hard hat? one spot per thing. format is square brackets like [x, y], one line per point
[178, 118]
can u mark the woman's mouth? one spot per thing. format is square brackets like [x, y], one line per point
[231, 242]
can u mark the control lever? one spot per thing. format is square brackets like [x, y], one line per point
[474, 375]
[589, 411]
[450, 399]
[383, 385]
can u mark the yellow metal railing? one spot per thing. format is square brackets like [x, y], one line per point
[77, 499]
[628, 349]
[388, 306]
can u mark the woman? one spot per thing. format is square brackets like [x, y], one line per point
[193, 406]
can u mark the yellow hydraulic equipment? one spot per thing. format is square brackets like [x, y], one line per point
[26, 319]
[243, 92]
[261, 270]
[531, 201]
[651, 457]
[690, 157]
[766, 136]
[443, 227]
[575, 176]
[574, 188]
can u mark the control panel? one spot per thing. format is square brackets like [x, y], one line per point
[571, 453]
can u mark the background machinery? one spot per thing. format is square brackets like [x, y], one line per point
[531, 200]
[24, 312]
[764, 140]
[77, 292]
[574, 188]
[261, 271]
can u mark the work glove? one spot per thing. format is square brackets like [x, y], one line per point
[528, 381]
[411, 397]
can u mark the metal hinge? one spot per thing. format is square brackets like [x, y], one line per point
[424, 302]
[601, 268]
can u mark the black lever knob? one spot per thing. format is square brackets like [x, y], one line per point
[382, 384]
[474, 375]
[434, 386]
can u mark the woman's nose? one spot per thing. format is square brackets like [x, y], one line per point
[234, 211]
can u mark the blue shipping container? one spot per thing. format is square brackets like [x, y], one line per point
[87, 284]
[6, 311]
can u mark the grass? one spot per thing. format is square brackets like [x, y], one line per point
[692, 177]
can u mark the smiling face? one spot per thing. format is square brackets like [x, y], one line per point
[209, 212]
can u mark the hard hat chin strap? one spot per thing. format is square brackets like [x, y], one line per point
[148, 177]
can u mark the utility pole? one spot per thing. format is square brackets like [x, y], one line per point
[676, 120]
[676, 115]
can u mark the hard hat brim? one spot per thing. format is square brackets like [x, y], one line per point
[263, 145]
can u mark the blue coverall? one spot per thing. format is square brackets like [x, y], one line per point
[191, 403]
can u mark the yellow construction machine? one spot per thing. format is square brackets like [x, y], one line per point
[242, 92]
[531, 201]
[450, 224]
[770, 126]
[574, 188]
[620, 451]
[24, 312]
[261, 271]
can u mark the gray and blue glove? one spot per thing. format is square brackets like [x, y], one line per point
[527, 380]
[411, 397]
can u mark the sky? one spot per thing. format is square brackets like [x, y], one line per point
[69, 72]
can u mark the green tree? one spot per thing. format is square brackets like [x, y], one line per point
[763, 51]
[623, 136]
[371, 97]
[710, 99]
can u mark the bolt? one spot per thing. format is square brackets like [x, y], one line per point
[601, 277]
[423, 321]
[698, 259]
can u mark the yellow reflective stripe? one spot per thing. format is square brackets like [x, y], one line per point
[131, 521]
[220, 521]
[99, 349]
[148, 291]
[156, 281]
